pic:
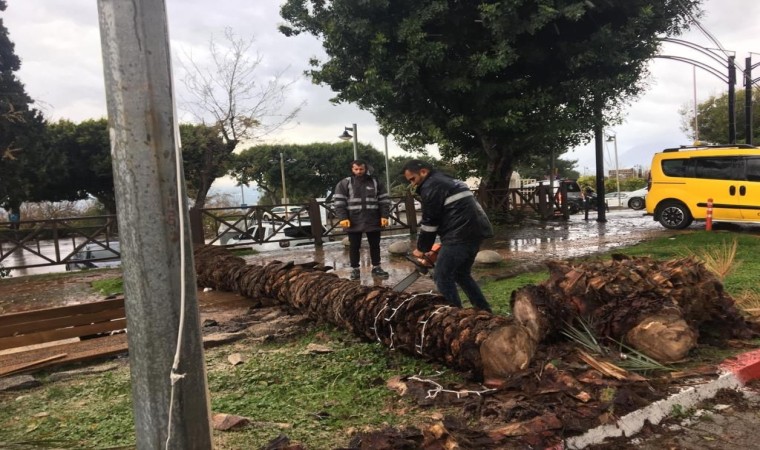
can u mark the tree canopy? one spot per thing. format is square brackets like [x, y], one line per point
[712, 119]
[311, 170]
[84, 167]
[85, 149]
[24, 163]
[487, 81]
[205, 157]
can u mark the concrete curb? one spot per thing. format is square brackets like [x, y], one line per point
[736, 372]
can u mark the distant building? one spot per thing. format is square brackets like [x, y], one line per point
[624, 173]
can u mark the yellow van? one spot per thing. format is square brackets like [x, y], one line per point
[683, 179]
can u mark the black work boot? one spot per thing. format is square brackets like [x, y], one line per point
[355, 273]
[378, 271]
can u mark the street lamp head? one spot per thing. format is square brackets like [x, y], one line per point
[346, 136]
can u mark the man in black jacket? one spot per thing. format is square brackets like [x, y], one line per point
[450, 210]
[362, 205]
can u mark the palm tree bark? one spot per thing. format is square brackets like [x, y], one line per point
[658, 307]
[419, 324]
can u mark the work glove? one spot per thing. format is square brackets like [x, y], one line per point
[345, 223]
[383, 222]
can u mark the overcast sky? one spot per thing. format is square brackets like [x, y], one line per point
[59, 44]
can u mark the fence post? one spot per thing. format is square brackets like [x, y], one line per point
[411, 213]
[708, 218]
[196, 226]
[316, 222]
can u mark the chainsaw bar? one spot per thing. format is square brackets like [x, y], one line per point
[419, 270]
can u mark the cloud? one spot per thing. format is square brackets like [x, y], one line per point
[59, 43]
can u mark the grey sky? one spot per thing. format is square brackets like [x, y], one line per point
[59, 44]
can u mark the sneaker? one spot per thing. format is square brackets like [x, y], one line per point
[378, 271]
[355, 273]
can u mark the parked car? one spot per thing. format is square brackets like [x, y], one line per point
[614, 200]
[280, 212]
[402, 206]
[276, 235]
[96, 256]
[610, 195]
[637, 199]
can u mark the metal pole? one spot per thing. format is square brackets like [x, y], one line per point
[153, 227]
[617, 170]
[731, 100]
[748, 100]
[387, 168]
[282, 175]
[601, 214]
[356, 142]
[696, 119]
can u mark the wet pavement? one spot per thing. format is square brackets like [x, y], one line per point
[532, 242]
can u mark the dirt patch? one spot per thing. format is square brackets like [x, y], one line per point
[48, 291]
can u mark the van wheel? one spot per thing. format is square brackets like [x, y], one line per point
[636, 203]
[675, 215]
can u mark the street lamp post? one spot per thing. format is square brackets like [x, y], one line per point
[613, 138]
[387, 169]
[282, 175]
[346, 136]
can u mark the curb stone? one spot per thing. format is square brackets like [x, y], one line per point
[736, 372]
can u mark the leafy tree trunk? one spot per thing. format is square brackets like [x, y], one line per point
[495, 186]
[108, 202]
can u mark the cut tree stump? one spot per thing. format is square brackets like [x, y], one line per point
[660, 308]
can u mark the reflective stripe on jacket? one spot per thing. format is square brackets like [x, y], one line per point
[362, 200]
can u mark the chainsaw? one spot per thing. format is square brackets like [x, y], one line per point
[422, 266]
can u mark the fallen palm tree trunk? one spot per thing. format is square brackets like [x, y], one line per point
[421, 324]
[657, 307]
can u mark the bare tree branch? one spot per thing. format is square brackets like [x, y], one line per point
[231, 92]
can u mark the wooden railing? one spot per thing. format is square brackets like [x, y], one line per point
[38, 243]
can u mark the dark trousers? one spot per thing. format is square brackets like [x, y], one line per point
[453, 268]
[355, 241]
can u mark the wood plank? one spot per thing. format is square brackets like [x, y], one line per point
[64, 333]
[22, 367]
[62, 311]
[76, 351]
[61, 322]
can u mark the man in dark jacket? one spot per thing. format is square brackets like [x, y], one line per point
[450, 210]
[362, 205]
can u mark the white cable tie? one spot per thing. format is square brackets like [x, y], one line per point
[375, 323]
[424, 324]
[433, 393]
[174, 377]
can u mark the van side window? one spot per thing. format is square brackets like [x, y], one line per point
[753, 169]
[720, 168]
[678, 168]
